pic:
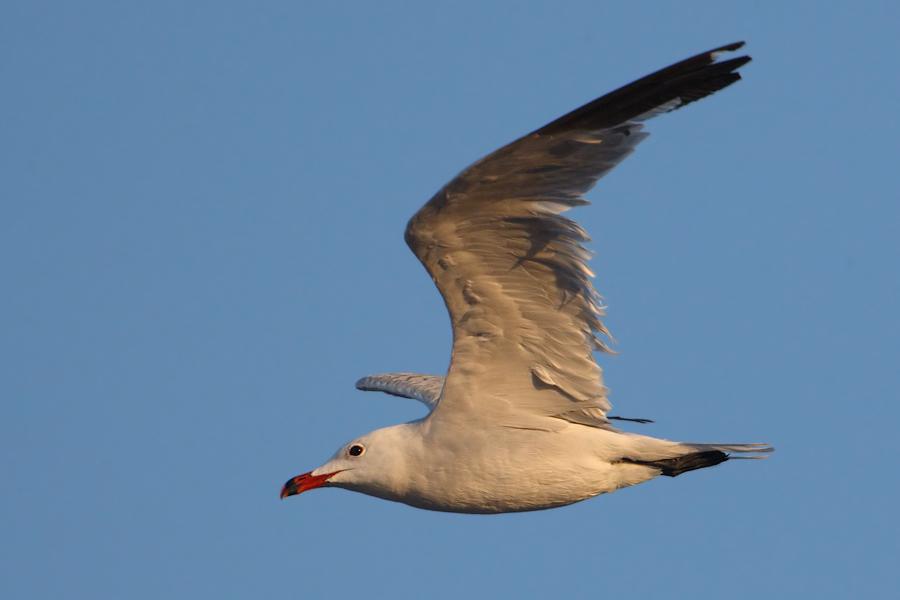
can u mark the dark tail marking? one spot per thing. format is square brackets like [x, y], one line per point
[674, 467]
[627, 419]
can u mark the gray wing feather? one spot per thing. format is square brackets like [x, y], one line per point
[512, 269]
[424, 388]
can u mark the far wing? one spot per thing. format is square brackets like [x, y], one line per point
[512, 269]
[424, 388]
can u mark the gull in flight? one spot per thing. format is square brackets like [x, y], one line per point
[520, 421]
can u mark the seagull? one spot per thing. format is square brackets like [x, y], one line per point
[520, 421]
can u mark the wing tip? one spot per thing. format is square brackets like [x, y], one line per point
[729, 47]
[367, 384]
[688, 80]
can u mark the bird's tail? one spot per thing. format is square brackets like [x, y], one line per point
[702, 456]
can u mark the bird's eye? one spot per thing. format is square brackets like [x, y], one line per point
[356, 450]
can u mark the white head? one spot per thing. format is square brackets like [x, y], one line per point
[374, 464]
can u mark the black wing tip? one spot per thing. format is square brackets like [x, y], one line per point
[689, 80]
[729, 47]
[710, 57]
[734, 63]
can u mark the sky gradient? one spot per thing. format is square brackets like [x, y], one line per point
[201, 250]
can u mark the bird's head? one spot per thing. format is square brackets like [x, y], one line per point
[375, 464]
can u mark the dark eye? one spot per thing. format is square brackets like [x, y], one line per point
[356, 450]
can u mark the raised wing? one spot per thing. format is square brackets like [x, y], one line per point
[424, 388]
[512, 269]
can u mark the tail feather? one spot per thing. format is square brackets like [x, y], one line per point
[736, 448]
[673, 467]
[706, 455]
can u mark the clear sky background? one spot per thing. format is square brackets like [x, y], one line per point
[201, 217]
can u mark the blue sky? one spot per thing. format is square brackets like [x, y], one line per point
[201, 218]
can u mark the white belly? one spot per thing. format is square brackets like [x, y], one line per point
[510, 470]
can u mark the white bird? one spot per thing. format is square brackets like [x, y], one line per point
[520, 421]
